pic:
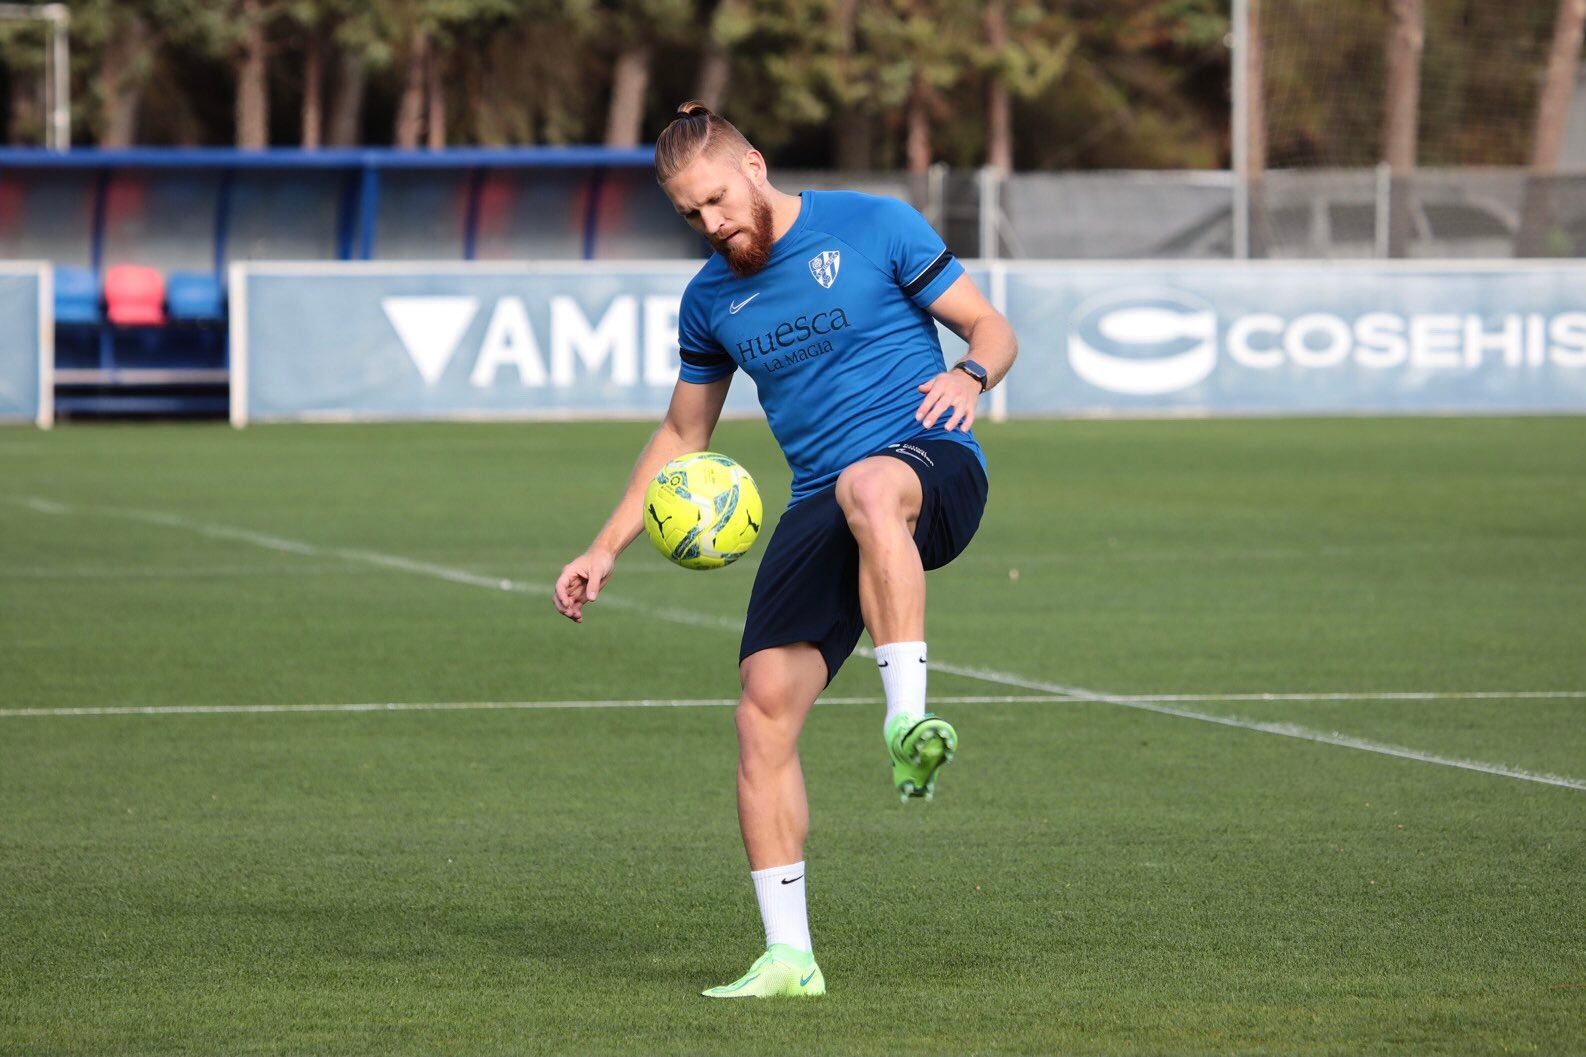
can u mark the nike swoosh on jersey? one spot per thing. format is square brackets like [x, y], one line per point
[733, 308]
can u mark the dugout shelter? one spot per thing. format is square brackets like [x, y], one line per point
[140, 240]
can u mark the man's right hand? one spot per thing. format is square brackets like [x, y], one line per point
[581, 580]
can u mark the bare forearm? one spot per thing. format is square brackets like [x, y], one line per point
[992, 344]
[627, 521]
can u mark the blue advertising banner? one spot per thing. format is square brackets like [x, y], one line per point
[27, 343]
[388, 340]
[1267, 337]
[355, 341]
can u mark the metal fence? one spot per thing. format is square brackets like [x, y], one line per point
[201, 210]
[1312, 214]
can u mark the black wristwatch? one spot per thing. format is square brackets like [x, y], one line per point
[975, 371]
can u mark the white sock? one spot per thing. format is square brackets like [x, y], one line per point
[780, 891]
[902, 666]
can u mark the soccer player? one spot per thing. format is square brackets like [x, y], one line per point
[826, 301]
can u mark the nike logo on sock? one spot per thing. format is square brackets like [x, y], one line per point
[790, 880]
[879, 664]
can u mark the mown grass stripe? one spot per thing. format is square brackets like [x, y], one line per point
[1146, 704]
[464, 706]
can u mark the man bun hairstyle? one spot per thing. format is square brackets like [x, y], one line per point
[695, 130]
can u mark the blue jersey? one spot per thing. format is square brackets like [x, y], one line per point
[833, 330]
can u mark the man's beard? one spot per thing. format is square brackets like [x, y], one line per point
[753, 249]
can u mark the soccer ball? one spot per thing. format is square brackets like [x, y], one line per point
[702, 511]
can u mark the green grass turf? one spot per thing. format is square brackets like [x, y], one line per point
[1093, 878]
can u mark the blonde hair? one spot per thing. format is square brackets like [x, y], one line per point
[694, 131]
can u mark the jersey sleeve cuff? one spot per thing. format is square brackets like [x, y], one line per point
[703, 367]
[934, 280]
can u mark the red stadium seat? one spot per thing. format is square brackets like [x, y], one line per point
[135, 296]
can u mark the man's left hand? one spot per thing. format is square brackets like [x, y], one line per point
[950, 389]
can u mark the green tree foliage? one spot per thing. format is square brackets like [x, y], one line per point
[1325, 78]
[116, 53]
[1145, 86]
[1086, 83]
[1041, 41]
[530, 76]
[814, 82]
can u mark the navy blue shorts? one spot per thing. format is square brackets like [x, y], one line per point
[807, 587]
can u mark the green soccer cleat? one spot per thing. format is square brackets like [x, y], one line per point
[918, 748]
[781, 972]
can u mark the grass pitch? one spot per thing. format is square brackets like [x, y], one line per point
[1093, 877]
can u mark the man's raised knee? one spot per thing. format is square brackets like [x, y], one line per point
[873, 493]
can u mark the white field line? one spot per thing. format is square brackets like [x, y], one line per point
[197, 572]
[1213, 554]
[483, 706]
[702, 702]
[220, 532]
[1010, 679]
[1366, 695]
[1287, 730]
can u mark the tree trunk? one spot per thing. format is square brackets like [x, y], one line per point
[24, 124]
[711, 86]
[253, 85]
[1551, 114]
[480, 80]
[346, 109]
[855, 142]
[625, 119]
[1406, 40]
[1562, 61]
[13, 109]
[558, 123]
[435, 103]
[999, 104]
[313, 91]
[855, 146]
[410, 113]
[917, 150]
[121, 80]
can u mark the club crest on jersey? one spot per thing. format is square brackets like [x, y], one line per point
[824, 267]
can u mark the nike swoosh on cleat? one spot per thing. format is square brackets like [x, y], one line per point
[790, 880]
[805, 980]
[733, 308]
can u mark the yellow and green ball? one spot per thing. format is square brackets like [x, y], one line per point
[702, 511]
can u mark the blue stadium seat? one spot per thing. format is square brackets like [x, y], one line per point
[194, 297]
[76, 296]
